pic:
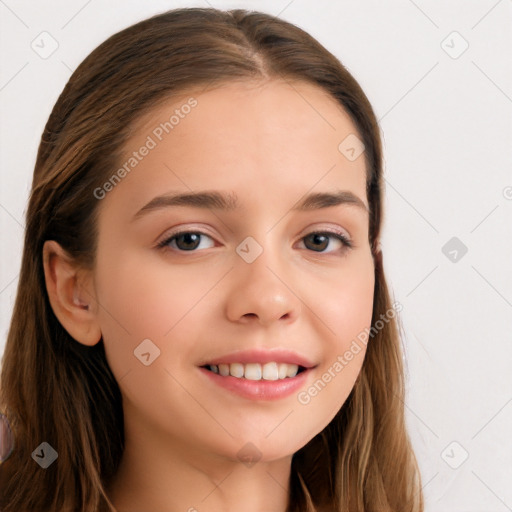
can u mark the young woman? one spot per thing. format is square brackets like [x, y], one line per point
[202, 320]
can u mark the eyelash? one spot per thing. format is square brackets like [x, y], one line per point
[334, 234]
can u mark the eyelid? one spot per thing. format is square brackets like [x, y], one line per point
[169, 233]
[341, 235]
[327, 229]
[307, 231]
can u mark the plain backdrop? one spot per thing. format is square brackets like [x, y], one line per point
[439, 77]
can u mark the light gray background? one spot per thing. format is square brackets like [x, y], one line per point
[447, 126]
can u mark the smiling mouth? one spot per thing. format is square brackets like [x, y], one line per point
[255, 371]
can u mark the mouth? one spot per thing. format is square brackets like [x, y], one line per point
[258, 374]
[271, 371]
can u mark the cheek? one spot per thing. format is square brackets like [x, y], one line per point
[142, 309]
[347, 308]
[148, 300]
[348, 302]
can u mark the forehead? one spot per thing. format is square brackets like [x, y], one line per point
[277, 137]
[298, 98]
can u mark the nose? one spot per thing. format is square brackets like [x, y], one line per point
[263, 291]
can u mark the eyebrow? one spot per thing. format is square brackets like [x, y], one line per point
[212, 199]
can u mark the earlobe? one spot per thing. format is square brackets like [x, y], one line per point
[71, 296]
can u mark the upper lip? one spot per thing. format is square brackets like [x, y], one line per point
[262, 356]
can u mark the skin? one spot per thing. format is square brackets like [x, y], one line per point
[271, 143]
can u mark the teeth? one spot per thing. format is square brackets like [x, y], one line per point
[224, 369]
[292, 370]
[236, 369]
[256, 371]
[270, 371]
[252, 371]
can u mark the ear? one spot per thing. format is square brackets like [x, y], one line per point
[71, 293]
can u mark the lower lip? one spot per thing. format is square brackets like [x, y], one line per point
[259, 389]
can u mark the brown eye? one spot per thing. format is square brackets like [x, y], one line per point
[184, 241]
[319, 241]
[187, 241]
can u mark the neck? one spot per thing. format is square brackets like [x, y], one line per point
[163, 475]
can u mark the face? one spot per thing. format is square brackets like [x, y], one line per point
[188, 288]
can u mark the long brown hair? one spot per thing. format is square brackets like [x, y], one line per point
[57, 390]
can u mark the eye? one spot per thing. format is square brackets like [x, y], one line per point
[320, 240]
[184, 241]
